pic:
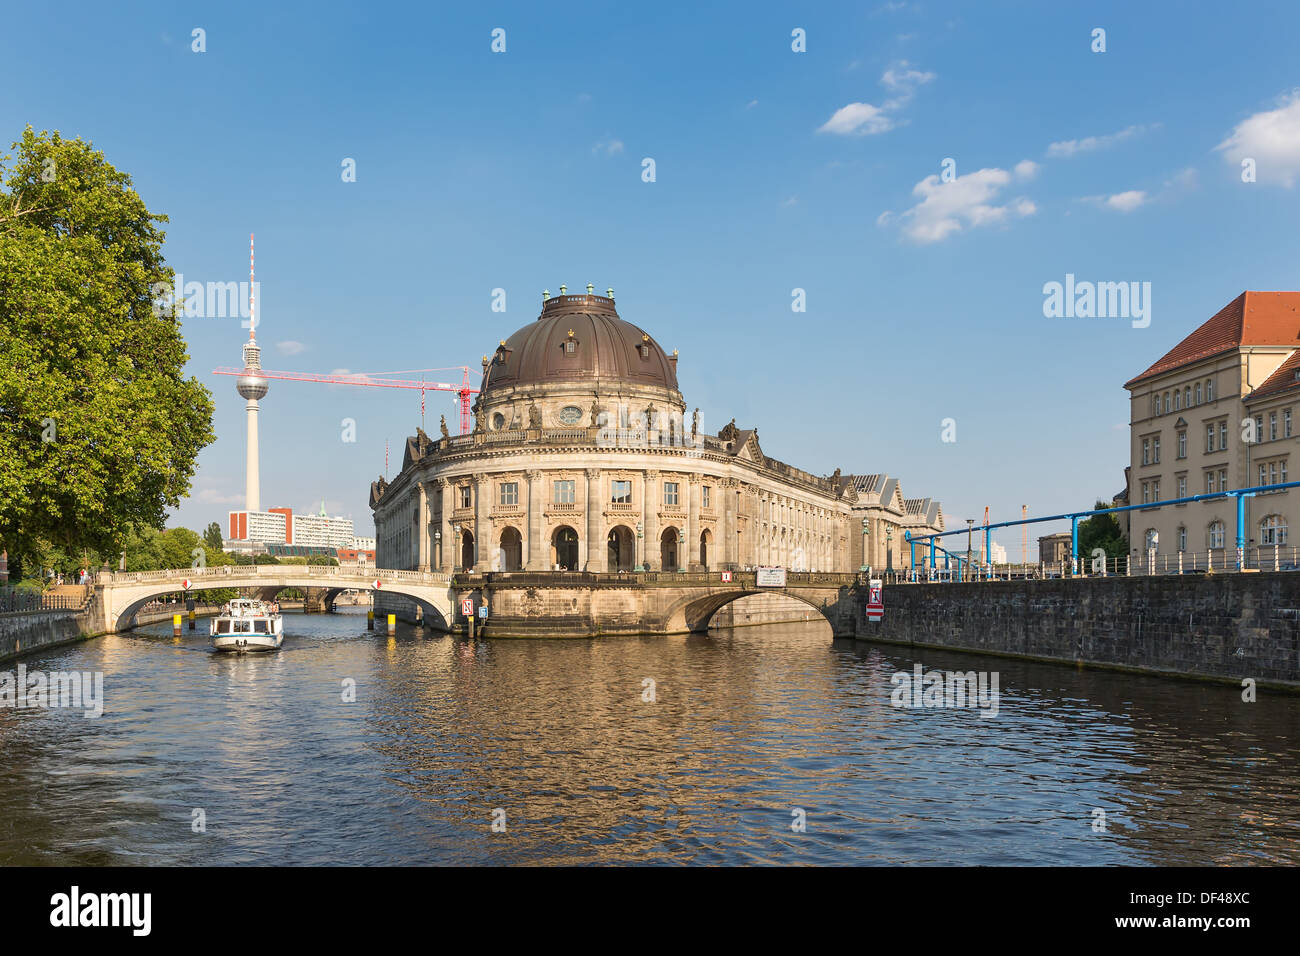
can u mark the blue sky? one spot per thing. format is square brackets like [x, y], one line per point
[775, 170]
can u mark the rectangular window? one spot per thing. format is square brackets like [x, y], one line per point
[1182, 538]
[1223, 435]
[1281, 472]
[1223, 480]
[1146, 493]
[1155, 450]
[1259, 428]
[1155, 491]
[705, 495]
[1182, 444]
[563, 493]
[1272, 426]
[509, 494]
[1272, 473]
[1209, 390]
[466, 496]
[1182, 487]
[1216, 535]
[1146, 451]
[1286, 423]
[670, 492]
[1263, 475]
[1209, 438]
[621, 492]
[1209, 482]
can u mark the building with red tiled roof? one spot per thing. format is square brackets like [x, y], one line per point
[1216, 413]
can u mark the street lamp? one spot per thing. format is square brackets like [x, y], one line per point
[889, 547]
[457, 531]
[681, 550]
[970, 529]
[866, 534]
[437, 546]
[639, 548]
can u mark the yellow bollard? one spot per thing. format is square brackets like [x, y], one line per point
[176, 625]
[392, 624]
[370, 619]
[191, 619]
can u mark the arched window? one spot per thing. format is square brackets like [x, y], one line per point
[1152, 539]
[1215, 536]
[1272, 530]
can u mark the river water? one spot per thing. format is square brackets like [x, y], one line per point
[771, 744]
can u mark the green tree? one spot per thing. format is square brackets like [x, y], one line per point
[212, 539]
[1101, 531]
[99, 429]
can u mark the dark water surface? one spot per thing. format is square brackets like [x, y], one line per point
[749, 724]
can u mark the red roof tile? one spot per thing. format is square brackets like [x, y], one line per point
[1252, 318]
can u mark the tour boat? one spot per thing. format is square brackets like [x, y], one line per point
[246, 625]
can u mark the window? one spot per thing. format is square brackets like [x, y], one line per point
[1209, 482]
[1223, 435]
[1178, 400]
[1209, 389]
[563, 492]
[670, 493]
[1182, 444]
[1223, 480]
[1272, 426]
[1155, 450]
[570, 346]
[1286, 423]
[1259, 428]
[1272, 473]
[1272, 530]
[1198, 393]
[1209, 438]
[705, 496]
[1182, 487]
[1146, 493]
[1182, 538]
[1215, 536]
[1187, 397]
[1152, 539]
[508, 493]
[1157, 403]
[466, 496]
[1146, 451]
[1155, 491]
[1281, 472]
[1167, 405]
[621, 492]
[570, 415]
[1263, 475]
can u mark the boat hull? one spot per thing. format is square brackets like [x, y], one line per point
[247, 643]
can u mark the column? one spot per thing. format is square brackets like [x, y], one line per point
[422, 526]
[593, 542]
[691, 559]
[442, 525]
[538, 553]
[652, 497]
[482, 547]
[727, 526]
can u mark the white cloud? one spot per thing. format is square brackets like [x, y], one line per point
[866, 119]
[210, 496]
[966, 202]
[290, 347]
[1127, 201]
[751, 104]
[609, 147]
[1026, 169]
[792, 201]
[1070, 147]
[861, 118]
[1271, 139]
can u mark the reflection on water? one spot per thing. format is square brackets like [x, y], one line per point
[748, 725]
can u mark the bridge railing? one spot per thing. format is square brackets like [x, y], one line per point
[746, 579]
[276, 571]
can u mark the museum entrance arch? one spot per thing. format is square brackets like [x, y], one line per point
[565, 545]
[621, 548]
[669, 555]
[512, 550]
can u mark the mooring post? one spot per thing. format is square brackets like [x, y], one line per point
[176, 625]
[370, 619]
[392, 624]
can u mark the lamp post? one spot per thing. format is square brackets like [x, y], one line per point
[970, 530]
[889, 548]
[456, 530]
[681, 549]
[866, 534]
[636, 556]
[437, 546]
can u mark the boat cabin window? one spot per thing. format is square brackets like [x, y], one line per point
[223, 627]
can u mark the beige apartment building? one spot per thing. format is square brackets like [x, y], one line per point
[1217, 413]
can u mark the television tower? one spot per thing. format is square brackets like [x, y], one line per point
[252, 385]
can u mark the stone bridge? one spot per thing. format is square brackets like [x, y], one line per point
[118, 595]
[521, 603]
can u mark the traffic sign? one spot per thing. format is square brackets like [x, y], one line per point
[186, 584]
[875, 599]
[467, 606]
[378, 584]
[726, 577]
[482, 612]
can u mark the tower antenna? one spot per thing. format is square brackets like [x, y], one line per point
[252, 317]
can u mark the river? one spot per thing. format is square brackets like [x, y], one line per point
[770, 744]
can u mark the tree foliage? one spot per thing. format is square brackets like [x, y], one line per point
[212, 538]
[99, 429]
[1102, 531]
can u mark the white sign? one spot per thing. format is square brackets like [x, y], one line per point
[378, 584]
[875, 599]
[482, 611]
[726, 577]
[771, 578]
[467, 606]
[186, 584]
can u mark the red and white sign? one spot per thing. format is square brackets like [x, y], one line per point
[726, 577]
[467, 606]
[378, 584]
[186, 584]
[875, 599]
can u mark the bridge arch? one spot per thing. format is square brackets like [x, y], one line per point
[692, 613]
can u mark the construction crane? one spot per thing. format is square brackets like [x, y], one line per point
[464, 390]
